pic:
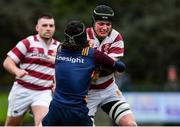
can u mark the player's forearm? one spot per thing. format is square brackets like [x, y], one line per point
[10, 66]
[102, 59]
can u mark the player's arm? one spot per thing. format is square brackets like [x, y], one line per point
[12, 68]
[104, 60]
[14, 57]
[106, 71]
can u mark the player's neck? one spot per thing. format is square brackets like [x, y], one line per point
[47, 41]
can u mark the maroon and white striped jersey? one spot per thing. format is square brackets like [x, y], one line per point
[33, 55]
[113, 46]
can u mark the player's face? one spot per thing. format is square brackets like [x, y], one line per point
[45, 28]
[102, 28]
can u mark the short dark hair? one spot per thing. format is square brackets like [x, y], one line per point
[46, 16]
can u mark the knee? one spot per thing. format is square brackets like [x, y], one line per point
[128, 123]
[127, 120]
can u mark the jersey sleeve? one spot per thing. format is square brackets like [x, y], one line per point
[102, 59]
[19, 51]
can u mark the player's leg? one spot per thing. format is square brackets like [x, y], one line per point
[18, 103]
[39, 113]
[14, 121]
[115, 105]
[127, 120]
[93, 101]
[40, 105]
[120, 112]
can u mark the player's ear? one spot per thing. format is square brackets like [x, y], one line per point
[37, 28]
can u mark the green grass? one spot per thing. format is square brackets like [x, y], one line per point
[3, 110]
[100, 119]
[3, 107]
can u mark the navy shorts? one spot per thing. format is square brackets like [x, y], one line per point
[66, 116]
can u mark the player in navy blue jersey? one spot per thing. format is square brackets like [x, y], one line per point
[74, 66]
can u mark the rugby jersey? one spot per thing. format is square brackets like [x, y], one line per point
[73, 70]
[33, 55]
[113, 46]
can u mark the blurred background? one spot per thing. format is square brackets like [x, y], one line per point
[151, 33]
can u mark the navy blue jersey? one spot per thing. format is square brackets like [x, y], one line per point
[73, 70]
[73, 74]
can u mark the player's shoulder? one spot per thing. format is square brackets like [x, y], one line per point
[31, 38]
[115, 35]
[88, 51]
[115, 32]
[26, 40]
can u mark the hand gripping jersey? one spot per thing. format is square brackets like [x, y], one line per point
[33, 55]
[73, 72]
[113, 46]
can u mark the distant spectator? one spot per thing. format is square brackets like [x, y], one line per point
[123, 81]
[172, 83]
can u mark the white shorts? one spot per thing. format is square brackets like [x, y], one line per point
[21, 99]
[99, 97]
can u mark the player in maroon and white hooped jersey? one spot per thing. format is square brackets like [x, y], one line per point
[104, 93]
[31, 62]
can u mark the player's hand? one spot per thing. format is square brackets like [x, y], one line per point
[53, 87]
[91, 43]
[21, 73]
